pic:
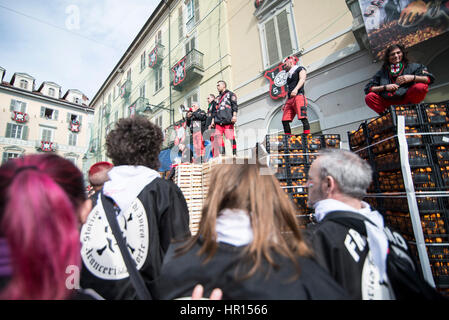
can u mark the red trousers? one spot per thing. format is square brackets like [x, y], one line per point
[228, 131]
[415, 94]
[198, 144]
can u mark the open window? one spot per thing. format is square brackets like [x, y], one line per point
[49, 114]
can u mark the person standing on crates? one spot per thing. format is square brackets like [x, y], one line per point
[196, 121]
[350, 240]
[398, 82]
[212, 150]
[150, 213]
[225, 117]
[296, 102]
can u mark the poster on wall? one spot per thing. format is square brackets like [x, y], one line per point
[407, 22]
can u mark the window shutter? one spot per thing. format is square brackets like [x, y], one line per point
[56, 114]
[8, 130]
[42, 112]
[4, 157]
[180, 27]
[271, 41]
[23, 107]
[195, 98]
[25, 133]
[80, 119]
[284, 33]
[68, 117]
[187, 47]
[197, 10]
[192, 43]
[12, 105]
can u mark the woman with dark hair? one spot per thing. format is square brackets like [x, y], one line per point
[42, 200]
[248, 244]
[150, 213]
[398, 82]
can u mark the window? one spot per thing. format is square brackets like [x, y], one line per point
[191, 99]
[180, 24]
[24, 84]
[158, 120]
[158, 79]
[9, 155]
[142, 91]
[116, 116]
[117, 90]
[158, 38]
[109, 99]
[72, 139]
[46, 134]
[51, 92]
[49, 114]
[190, 45]
[73, 117]
[76, 100]
[18, 106]
[16, 131]
[142, 61]
[277, 37]
[128, 74]
[192, 13]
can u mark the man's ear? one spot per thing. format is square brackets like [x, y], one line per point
[84, 210]
[332, 186]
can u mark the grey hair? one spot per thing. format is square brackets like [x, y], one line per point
[352, 174]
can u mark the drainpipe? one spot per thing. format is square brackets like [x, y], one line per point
[172, 112]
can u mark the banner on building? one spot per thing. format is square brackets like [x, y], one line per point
[278, 81]
[153, 57]
[179, 72]
[407, 22]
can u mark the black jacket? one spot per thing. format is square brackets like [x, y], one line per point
[226, 106]
[180, 274]
[292, 82]
[198, 117]
[158, 215]
[382, 77]
[343, 251]
[210, 112]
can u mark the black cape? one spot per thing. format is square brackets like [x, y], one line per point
[158, 215]
[180, 274]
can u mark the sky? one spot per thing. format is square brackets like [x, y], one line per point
[74, 43]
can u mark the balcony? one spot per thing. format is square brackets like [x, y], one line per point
[187, 70]
[20, 117]
[46, 146]
[156, 55]
[125, 89]
[138, 106]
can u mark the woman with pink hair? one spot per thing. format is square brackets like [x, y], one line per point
[42, 200]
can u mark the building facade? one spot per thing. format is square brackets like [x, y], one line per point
[330, 40]
[43, 120]
[186, 46]
[176, 59]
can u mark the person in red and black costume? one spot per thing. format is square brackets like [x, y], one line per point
[212, 106]
[224, 117]
[196, 120]
[398, 82]
[296, 103]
